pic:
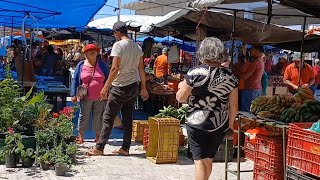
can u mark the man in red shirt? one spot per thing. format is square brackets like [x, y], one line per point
[252, 79]
[316, 72]
[291, 74]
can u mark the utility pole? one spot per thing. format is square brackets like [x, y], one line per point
[119, 9]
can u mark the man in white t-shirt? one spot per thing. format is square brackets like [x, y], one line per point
[121, 89]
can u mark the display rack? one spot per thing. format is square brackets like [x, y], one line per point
[258, 120]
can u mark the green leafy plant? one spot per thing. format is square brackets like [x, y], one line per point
[71, 148]
[28, 153]
[44, 137]
[13, 143]
[44, 156]
[60, 158]
[10, 102]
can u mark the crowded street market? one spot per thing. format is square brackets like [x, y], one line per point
[204, 89]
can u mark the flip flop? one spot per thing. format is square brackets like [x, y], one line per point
[121, 152]
[79, 140]
[94, 152]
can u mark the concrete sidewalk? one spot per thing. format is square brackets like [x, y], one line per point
[134, 167]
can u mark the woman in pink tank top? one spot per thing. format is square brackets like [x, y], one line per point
[90, 73]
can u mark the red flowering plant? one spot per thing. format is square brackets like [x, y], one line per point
[67, 112]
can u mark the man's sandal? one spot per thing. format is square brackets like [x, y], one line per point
[94, 152]
[121, 152]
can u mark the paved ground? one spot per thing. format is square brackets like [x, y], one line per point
[134, 167]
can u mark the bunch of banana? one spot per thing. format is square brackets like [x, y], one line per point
[274, 107]
[288, 115]
[304, 94]
[258, 104]
[306, 112]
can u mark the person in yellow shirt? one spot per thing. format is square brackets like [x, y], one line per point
[162, 66]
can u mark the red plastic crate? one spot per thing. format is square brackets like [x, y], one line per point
[248, 149]
[269, 153]
[145, 138]
[304, 149]
[260, 173]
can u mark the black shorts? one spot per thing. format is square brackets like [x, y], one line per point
[204, 144]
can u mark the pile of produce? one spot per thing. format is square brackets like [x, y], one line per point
[158, 88]
[170, 111]
[302, 107]
[271, 107]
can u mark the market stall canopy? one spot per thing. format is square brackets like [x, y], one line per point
[49, 13]
[221, 24]
[132, 21]
[311, 7]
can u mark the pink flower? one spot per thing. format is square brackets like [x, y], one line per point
[10, 130]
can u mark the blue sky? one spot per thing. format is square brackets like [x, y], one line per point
[108, 11]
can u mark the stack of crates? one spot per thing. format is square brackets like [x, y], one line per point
[303, 149]
[268, 159]
[163, 145]
[137, 130]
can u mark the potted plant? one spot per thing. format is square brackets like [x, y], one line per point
[61, 161]
[72, 151]
[44, 158]
[27, 157]
[13, 146]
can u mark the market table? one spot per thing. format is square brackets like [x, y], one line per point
[258, 120]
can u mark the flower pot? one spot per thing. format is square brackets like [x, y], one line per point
[27, 163]
[44, 166]
[11, 161]
[61, 169]
[73, 157]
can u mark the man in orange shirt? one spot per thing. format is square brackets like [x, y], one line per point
[291, 74]
[162, 66]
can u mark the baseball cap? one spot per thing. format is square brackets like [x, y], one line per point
[316, 61]
[119, 26]
[284, 56]
[91, 47]
[296, 56]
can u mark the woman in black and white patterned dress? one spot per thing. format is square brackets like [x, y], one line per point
[211, 92]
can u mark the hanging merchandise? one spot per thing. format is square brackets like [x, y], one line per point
[147, 47]
[173, 55]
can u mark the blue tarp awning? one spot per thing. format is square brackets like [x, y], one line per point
[49, 13]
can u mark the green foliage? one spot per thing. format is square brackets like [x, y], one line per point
[71, 148]
[11, 104]
[28, 153]
[13, 144]
[60, 157]
[170, 111]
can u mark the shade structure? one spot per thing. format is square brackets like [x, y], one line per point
[49, 13]
[132, 21]
[221, 24]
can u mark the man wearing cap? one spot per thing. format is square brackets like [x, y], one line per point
[291, 74]
[162, 66]
[281, 65]
[121, 89]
